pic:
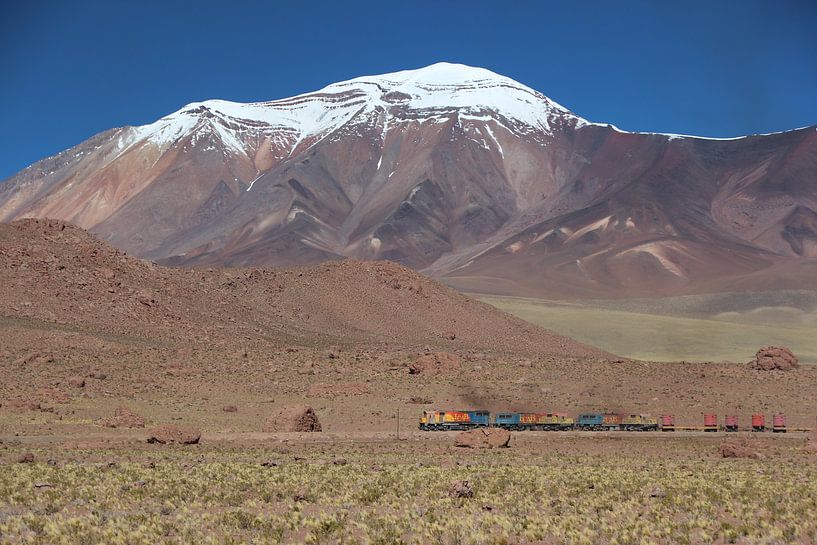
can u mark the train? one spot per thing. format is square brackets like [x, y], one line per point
[438, 420]
[464, 420]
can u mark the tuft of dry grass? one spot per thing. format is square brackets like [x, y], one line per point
[204, 496]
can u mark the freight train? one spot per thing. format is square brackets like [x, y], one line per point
[589, 421]
[463, 420]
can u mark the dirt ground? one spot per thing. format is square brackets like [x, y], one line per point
[85, 329]
[60, 381]
[90, 339]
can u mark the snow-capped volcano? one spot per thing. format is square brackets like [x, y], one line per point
[432, 94]
[456, 170]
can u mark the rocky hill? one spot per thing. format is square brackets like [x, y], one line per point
[56, 273]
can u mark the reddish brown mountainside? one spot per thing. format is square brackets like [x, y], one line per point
[55, 272]
[455, 171]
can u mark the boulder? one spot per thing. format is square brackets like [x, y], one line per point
[296, 418]
[771, 358]
[484, 438]
[26, 458]
[76, 382]
[436, 363]
[123, 418]
[739, 448]
[166, 434]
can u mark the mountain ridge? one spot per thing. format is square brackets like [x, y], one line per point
[447, 169]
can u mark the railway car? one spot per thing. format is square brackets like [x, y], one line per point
[638, 422]
[555, 421]
[779, 423]
[598, 422]
[533, 421]
[454, 420]
[508, 421]
[589, 421]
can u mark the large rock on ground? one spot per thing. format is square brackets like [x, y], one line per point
[299, 418]
[770, 358]
[484, 438]
[739, 448]
[123, 418]
[436, 363]
[174, 434]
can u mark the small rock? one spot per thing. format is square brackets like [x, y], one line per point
[461, 489]
[76, 382]
[26, 458]
[174, 434]
[230, 409]
[657, 492]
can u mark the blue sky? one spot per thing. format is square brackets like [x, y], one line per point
[716, 68]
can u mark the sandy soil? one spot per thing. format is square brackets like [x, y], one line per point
[85, 330]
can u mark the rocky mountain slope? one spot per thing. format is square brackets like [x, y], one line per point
[58, 274]
[456, 171]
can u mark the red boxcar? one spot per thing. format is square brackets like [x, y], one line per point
[779, 423]
[667, 422]
[731, 422]
[758, 422]
[710, 422]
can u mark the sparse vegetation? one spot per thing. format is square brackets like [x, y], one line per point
[561, 499]
[668, 331]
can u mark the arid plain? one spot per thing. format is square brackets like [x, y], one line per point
[88, 331]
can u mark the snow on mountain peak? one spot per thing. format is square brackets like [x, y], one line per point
[439, 89]
[440, 76]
